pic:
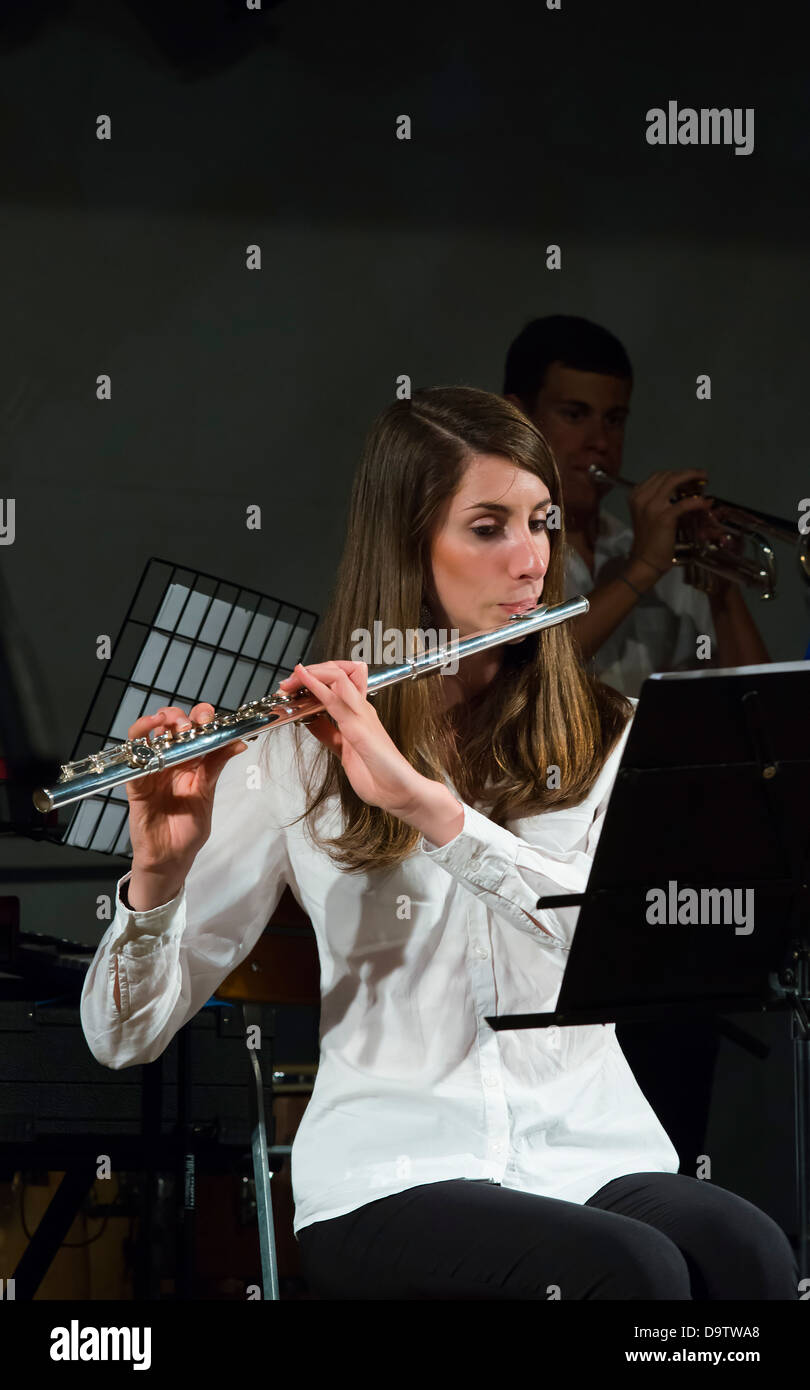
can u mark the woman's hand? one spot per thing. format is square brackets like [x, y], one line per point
[170, 811]
[377, 770]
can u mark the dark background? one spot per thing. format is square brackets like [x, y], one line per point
[379, 257]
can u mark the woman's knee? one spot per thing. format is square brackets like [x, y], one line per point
[642, 1263]
[754, 1256]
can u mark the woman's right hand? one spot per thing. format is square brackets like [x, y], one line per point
[655, 518]
[170, 811]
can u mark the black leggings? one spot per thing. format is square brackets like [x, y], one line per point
[642, 1236]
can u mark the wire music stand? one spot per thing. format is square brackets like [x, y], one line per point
[187, 636]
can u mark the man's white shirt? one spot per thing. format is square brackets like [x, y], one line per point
[659, 633]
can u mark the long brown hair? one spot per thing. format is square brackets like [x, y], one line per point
[542, 710]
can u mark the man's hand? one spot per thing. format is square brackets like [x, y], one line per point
[709, 527]
[655, 517]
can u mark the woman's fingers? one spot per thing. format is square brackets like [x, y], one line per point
[322, 728]
[336, 692]
[348, 678]
[173, 717]
[202, 714]
[170, 717]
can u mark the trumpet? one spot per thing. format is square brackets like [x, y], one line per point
[757, 570]
[134, 758]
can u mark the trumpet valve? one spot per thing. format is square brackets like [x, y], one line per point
[693, 488]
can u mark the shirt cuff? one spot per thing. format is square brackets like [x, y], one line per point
[489, 859]
[466, 854]
[133, 927]
[489, 850]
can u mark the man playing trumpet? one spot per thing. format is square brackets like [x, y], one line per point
[574, 379]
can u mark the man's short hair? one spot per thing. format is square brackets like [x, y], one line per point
[574, 342]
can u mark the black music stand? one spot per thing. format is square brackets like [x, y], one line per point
[711, 793]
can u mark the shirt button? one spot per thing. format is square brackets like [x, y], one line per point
[498, 1147]
[490, 1080]
[553, 1036]
[479, 951]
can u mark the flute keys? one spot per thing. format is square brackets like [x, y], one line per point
[139, 752]
[184, 735]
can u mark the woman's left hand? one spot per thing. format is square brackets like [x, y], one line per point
[377, 770]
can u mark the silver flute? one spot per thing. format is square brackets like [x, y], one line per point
[137, 757]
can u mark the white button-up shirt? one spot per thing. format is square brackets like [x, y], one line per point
[413, 1086]
[659, 633]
